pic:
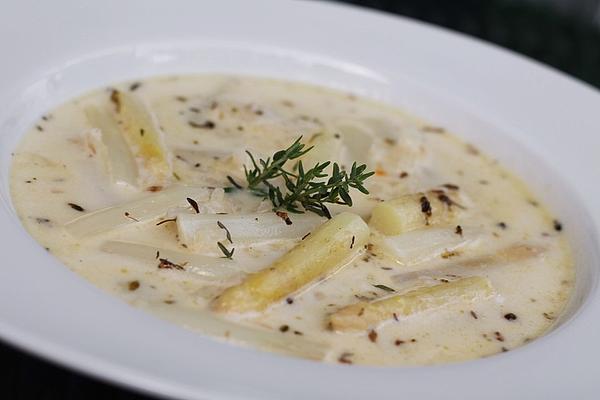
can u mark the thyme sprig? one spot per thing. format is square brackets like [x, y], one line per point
[226, 252]
[264, 171]
[303, 190]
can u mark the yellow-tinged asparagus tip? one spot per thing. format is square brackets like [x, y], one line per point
[363, 315]
[329, 247]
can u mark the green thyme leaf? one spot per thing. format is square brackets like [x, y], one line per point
[305, 189]
[227, 253]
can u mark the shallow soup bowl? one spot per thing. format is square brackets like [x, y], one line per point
[541, 124]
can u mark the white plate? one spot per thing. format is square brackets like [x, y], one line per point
[539, 122]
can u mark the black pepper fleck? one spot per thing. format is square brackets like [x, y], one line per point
[208, 124]
[510, 317]
[373, 336]
[499, 336]
[425, 206]
[76, 207]
[345, 358]
[557, 225]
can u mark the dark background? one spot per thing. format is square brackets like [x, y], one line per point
[564, 34]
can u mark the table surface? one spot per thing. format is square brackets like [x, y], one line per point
[539, 32]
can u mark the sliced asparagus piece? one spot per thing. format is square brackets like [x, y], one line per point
[121, 163]
[328, 248]
[254, 337]
[363, 315]
[144, 209]
[413, 211]
[208, 268]
[144, 138]
[197, 229]
[427, 244]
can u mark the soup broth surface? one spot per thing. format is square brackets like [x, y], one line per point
[64, 170]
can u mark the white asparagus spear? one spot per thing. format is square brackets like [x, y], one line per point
[413, 211]
[145, 139]
[144, 209]
[208, 268]
[363, 315]
[255, 337]
[195, 229]
[121, 163]
[427, 244]
[328, 248]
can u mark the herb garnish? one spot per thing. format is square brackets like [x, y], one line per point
[450, 186]
[194, 205]
[166, 264]
[425, 206]
[305, 190]
[164, 221]
[206, 125]
[128, 215]
[233, 182]
[345, 358]
[227, 254]
[76, 207]
[284, 216]
[220, 225]
[134, 86]
[386, 288]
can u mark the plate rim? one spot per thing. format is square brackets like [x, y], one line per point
[134, 379]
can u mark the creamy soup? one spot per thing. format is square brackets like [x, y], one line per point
[410, 247]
